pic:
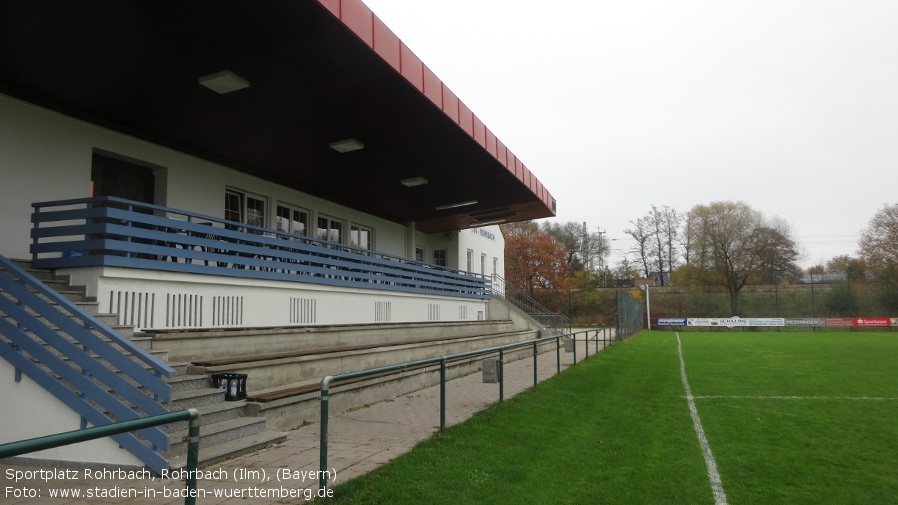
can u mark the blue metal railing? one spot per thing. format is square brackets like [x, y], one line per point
[99, 374]
[110, 231]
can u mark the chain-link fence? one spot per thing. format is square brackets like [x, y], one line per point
[630, 315]
[588, 307]
[842, 299]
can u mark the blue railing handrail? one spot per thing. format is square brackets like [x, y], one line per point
[63, 349]
[127, 237]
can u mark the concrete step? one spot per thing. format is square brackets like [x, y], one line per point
[221, 452]
[195, 398]
[214, 413]
[271, 371]
[180, 383]
[217, 433]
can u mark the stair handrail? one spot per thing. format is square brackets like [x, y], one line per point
[75, 373]
[544, 316]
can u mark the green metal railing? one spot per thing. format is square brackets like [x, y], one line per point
[442, 361]
[12, 449]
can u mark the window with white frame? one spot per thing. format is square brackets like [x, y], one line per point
[361, 236]
[245, 208]
[482, 264]
[293, 220]
[470, 260]
[419, 253]
[439, 257]
[330, 229]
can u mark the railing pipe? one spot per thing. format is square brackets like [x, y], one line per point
[73, 437]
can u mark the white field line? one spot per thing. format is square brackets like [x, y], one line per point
[720, 497]
[857, 398]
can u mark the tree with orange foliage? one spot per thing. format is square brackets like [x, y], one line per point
[533, 260]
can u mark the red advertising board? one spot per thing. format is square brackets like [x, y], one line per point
[838, 321]
[873, 321]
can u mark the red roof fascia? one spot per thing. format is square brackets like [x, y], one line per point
[370, 29]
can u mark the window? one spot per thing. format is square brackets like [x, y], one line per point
[439, 257]
[247, 209]
[330, 229]
[292, 220]
[495, 266]
[115, 177]
[419, 253]
[361, 237]
[470, 260]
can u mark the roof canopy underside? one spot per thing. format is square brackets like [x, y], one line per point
[318, 72]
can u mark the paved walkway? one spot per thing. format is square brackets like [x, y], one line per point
[358, 442]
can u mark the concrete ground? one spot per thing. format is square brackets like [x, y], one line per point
[359, 441]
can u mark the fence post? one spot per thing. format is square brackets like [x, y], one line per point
[322, 455]
[535, 356]
[501, 374]
[442, 393]
[586, 343]
[558, 354]
[574, 338]
[193, 455]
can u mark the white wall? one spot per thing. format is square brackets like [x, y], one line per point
[42, 414]
[166, 300]
[46, 156]
[487, 240]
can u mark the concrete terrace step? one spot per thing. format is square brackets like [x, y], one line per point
[214, 413]
[194, 398]
[216, 433]
[210, 455]
[224, 343]
[273, 370]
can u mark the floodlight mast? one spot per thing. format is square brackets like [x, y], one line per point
[648, 310]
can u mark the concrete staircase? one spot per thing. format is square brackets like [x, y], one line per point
[227, 429]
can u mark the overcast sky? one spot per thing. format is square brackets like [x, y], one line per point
[788, 105]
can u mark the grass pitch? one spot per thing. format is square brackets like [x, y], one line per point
[788, 418]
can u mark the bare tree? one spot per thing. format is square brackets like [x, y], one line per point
[732, 244]
[641, 233]
[879, 245]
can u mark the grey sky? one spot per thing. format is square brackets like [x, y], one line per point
[790, 105]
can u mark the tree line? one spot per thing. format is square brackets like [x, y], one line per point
[724, 244]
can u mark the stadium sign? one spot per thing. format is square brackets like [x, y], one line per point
[733, 322]
[807, 321]
[670, 321]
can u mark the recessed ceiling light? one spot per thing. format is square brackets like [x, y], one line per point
[459, 204]
[414, 181]
[346, 145]
[487, 223]
[223, 82]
